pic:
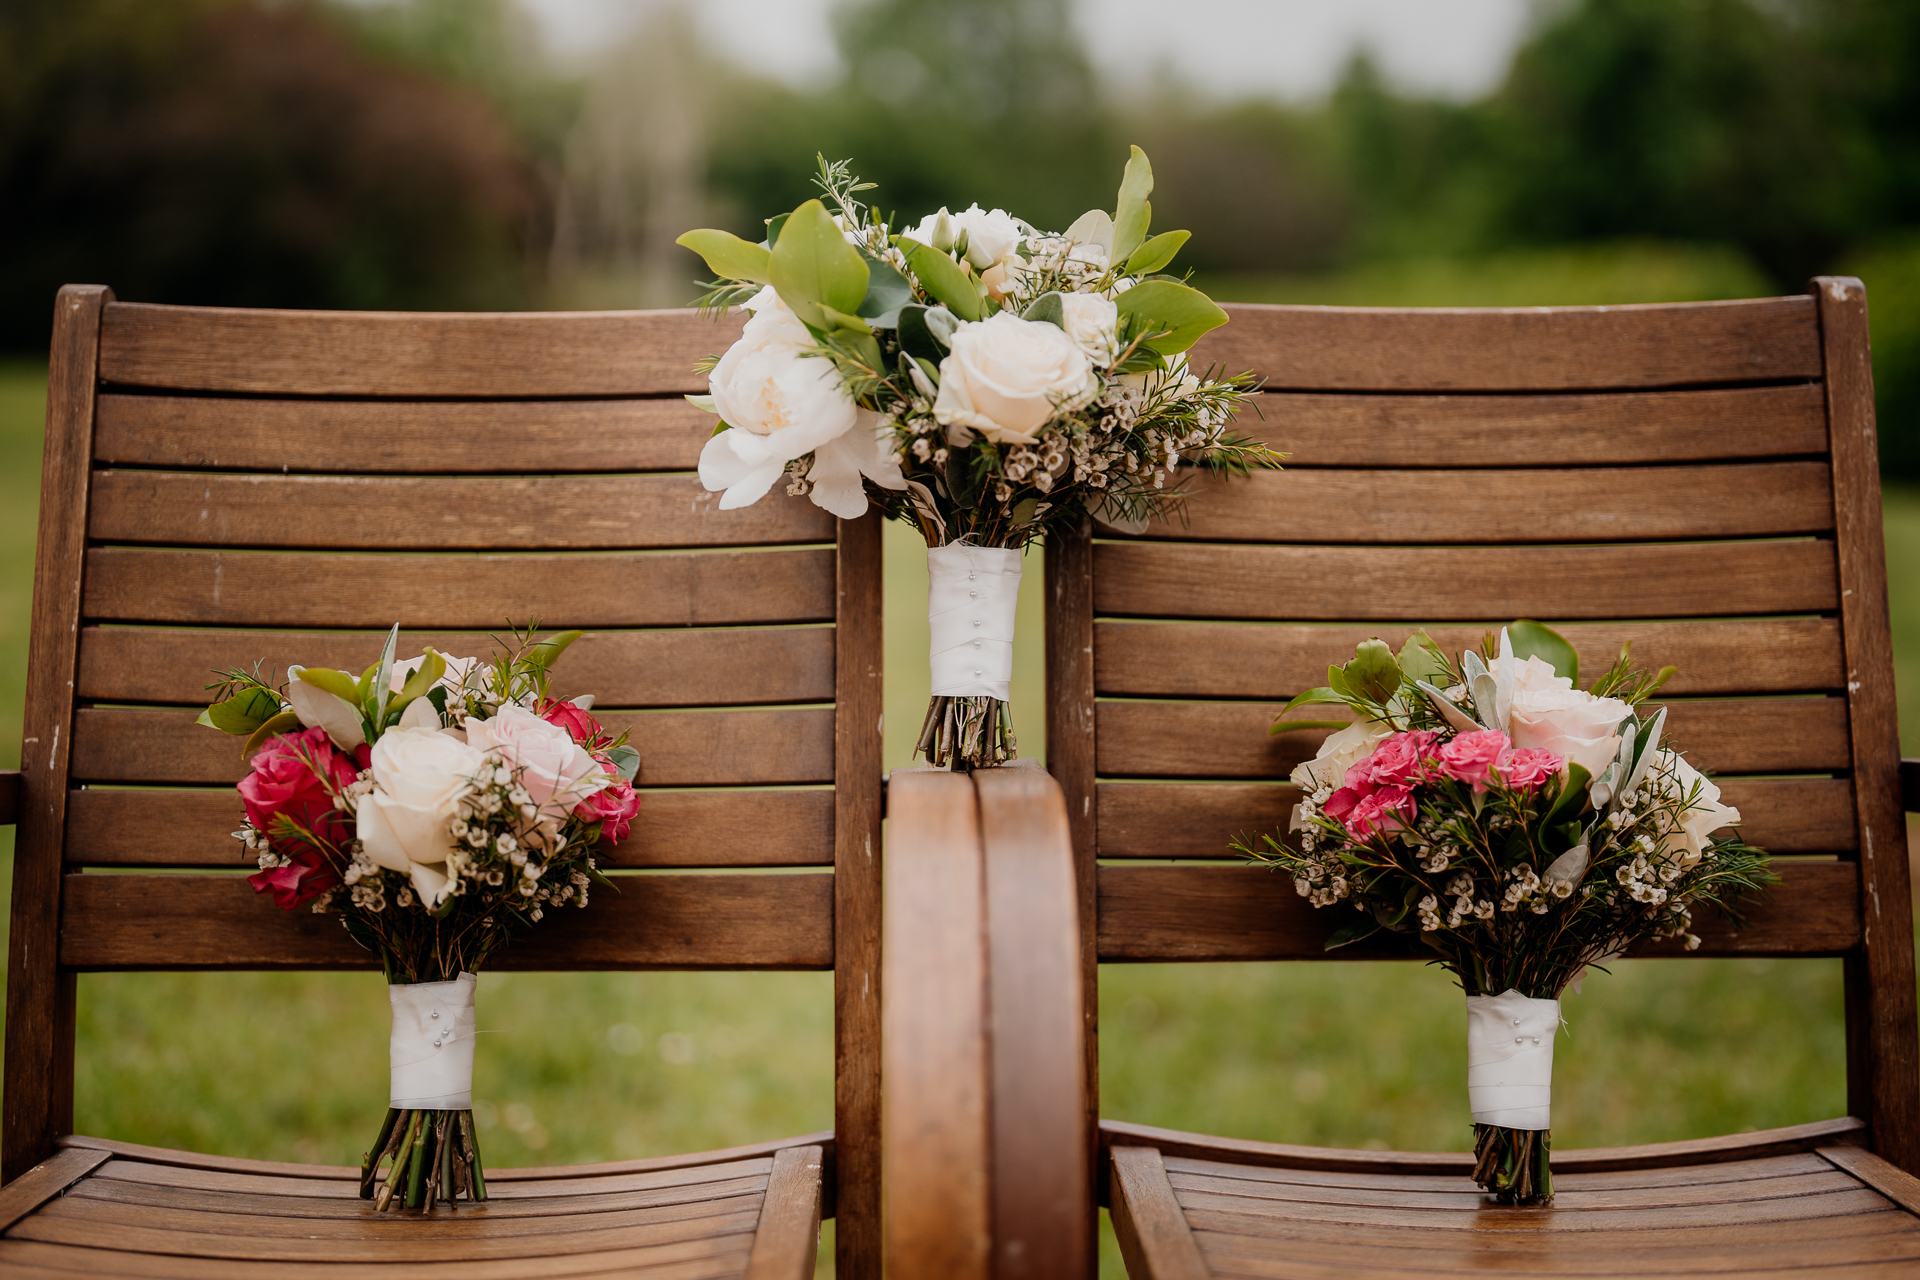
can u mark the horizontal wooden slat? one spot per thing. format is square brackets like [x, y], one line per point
[1199, 820]
[1179, 580]
[700, 668]
[1250, 913]
[1513, 349]
[439, 513]
[1591, 504]
[399, 437]
[115, 921]
[142, 828]
[1613, 429]
[677, 748]
[1231, 739]
[1241, 660]
[395, 353]
[213, 588]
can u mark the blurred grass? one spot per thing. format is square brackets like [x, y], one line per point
[605, 1066]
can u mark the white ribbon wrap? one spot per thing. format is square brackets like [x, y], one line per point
[431, 1052]
[1510, 1059]
[972, 593]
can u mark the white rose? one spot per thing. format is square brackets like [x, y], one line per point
[992, 235]
[1688, 842]
[1007, 377]
[1340, 752]
[319, 709]
[1569, 722]
[1511, 675]
[780, 404]
[1093, 322]
[406, 822]
[547, 763]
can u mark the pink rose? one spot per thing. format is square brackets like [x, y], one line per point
[613, 806]
[305, 877]
[1528, 767]
[1341, 803]
[291, 776]
[577, 721]
[1398, 761]
[554, 769]
[1469, 757]
[1385, 809]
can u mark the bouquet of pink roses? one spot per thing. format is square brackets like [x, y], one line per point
[435, 805]
[1522, 828]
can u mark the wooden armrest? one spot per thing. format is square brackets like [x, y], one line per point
[986, 1145]
[9, 796]
[1910, 785]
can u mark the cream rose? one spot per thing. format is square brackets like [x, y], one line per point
[1007, 377]
[1339, 752]
[547, 763]
[1093, 323]
[405, 823]
[1569, 722]
[1687, 843]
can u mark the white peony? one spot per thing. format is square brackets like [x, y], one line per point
[1093, 322]
[405, 823]
[1007, 377]
[992, 235]
[547, 763]
[1686, 843]
[839, 464]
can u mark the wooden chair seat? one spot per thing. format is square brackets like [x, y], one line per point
[1759, 1204]
[114, 1208]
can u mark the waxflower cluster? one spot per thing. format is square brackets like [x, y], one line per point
[1507, 822]
[969, 374]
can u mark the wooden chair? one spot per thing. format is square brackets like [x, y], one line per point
[214, 483]
[1709, 465]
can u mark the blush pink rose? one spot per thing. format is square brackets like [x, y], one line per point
[553, 768]
[1470, 757]
[1383, 809]
[613, 806]
[1400, 760]
[291, 775]
[1529, 767]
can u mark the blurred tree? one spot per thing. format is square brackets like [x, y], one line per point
[222, 151]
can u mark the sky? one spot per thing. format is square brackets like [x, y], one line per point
[1287, 48]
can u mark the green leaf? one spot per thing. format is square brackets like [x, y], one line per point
[943, 279]
[626, 760]
[1288, 726]
[1183, 312]
[774, 225]
[1047, 307]
[1571, 797]
[1131, 214]
[1156, 252]
[813, 266]
[338, 683]
[887, 292]
[1420, 658]
[285, 722]
[1532, 640]
[840, 320]
[1365, 927]
[546, 652]
[1373, 672]
[728, 256]
[924, 332]
[424, 678]
[383, 682]
[242, 713]
[703, 403]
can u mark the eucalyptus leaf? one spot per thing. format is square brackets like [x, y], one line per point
[1184, 314]
[1156, 253]
[626, 760]
[728, 256]
[1534, 640]
[1131, 213]
[1094, 226]
[1569, 866]
[338, 683]
[943, 280]
[1486, 699]
[1048, 307]
[814, 267]
[887, 292]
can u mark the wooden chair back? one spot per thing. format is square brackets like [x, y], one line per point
[1700, 478]
[225, 486]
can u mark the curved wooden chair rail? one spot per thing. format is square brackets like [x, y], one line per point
[1710, 465]
[178, 438]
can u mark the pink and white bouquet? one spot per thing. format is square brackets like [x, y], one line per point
[1521, 829]
[436, 805]
[978, 378]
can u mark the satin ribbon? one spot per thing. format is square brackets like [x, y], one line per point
[430, 1055]
[972, 594]
[1510, 1059]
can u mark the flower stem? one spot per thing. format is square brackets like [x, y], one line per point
[370, 1165]
[1514, 1164]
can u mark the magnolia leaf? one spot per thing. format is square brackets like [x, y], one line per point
[1131, 214]
[728, 256]
[1373, 673]
[841, 320]
[338, 683]
[244, 712]
[1181, 315]
[1532, 640]
[1156, 252]
[1569, 866]
[1649, 744]
[814, 267]
[424, 677]
[942, 279]
[285, 722]
[546, 652]
[1288, 726]
[1047, 307]
[887, 292]
[1486, 698]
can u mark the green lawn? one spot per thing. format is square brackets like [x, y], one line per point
[600, 1066]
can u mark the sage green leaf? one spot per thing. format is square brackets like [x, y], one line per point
[1047, 307]
[546, 652]
[814, 267]
[1156, 252]
[1131, 214]
[1179, 313]
[244, 712]
[1093, 227]
[1532, 640]
[1373, 671]
[728, 256]
[285, 722]
[626, 760]
[1448, 709]
[383, 682]
[943, 279]
[887, 293]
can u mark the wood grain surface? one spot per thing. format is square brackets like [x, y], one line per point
[1588, 504]
[400, 437]
[1147, 1220]
[677, 748]
[467, 355]
[787, 1238]
[432, 592]
[677, 667]
[141, 827]
[1516, 349]
[655, 922]
[1249, 913]
[1278, 660]
[1564, 430]
[439, 513]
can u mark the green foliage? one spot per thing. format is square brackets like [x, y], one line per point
[1132, 214]
[730, 257]
[1176, 314]
[819, 275]
[1156, 253]
[1536, 640]
[943, 279]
